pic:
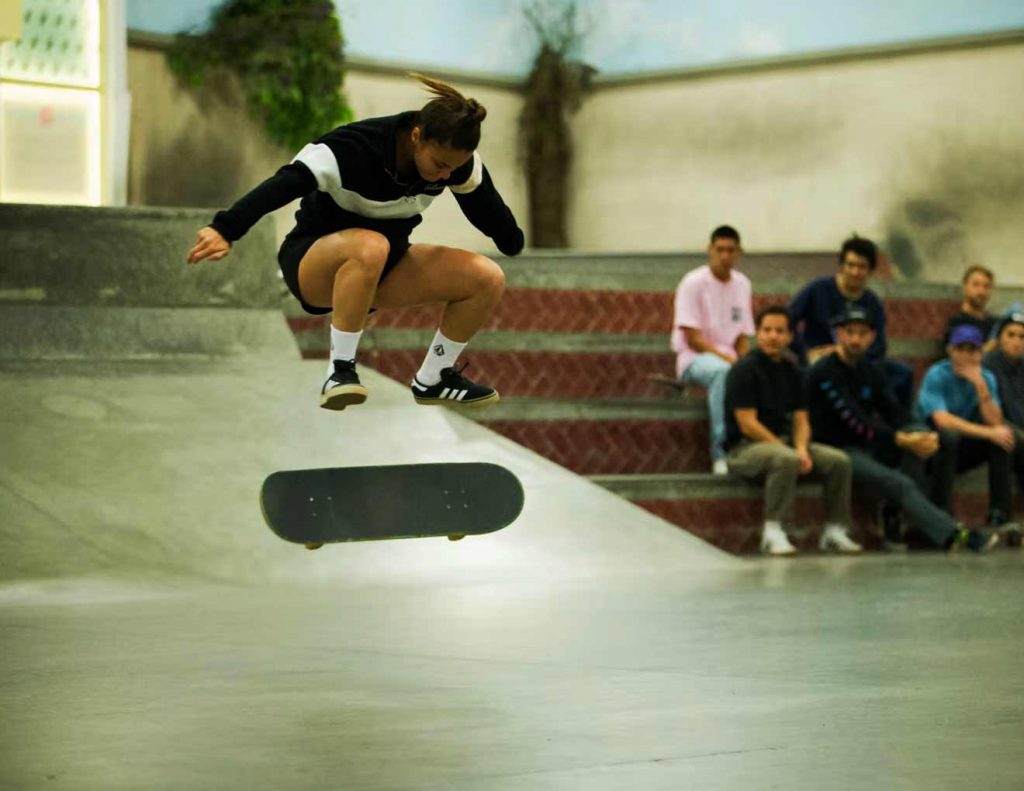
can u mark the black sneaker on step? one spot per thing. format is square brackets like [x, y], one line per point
[1008, 530]
[892, 529]
[342, 387]
[973, 539]
[454, 389]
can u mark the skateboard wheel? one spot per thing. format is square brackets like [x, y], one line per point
[456, 537]
[313, 546]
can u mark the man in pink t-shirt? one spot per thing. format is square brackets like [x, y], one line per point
[713, 321]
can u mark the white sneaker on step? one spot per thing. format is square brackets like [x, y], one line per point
[835, 539]
[720, 467]
[774, 541]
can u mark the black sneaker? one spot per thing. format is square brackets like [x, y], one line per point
[973, 539]
[342, 387]
[454, 390]
[1009, 532]
[892, 530]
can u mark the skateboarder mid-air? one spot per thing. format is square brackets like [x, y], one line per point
[364, 187]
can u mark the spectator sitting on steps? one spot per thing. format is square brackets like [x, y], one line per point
[960, 399]
[977, 285]
[711, 329]
[851, 409]
[769, 439]
[823, 298]
[1006, 361]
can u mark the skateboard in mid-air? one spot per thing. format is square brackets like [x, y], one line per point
[340, 504]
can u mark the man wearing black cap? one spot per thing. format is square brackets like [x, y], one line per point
[851, 408]
[960, 399]
[1006, 361]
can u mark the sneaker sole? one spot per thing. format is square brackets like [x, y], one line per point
[477, 404]
[834, 550]
[337, 398]
[778, 553]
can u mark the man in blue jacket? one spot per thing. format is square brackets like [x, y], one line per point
[814, 307]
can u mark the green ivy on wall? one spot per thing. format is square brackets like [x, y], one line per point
[289, 56]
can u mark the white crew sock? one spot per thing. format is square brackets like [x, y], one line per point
[443, 353]
[343, 346]
[771, 524]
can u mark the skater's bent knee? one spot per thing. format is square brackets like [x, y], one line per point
[489, 275]
[370, 249]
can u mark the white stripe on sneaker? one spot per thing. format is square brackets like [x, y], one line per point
[461, 395]
[417, 385]
[445, 392]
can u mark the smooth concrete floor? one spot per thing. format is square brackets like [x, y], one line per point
[879, 672]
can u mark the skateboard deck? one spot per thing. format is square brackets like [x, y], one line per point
[339, 504]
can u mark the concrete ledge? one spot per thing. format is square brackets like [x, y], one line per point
[565, 269]
[78, 255]
[536, 409]
[770, 272]
[29, 332]
[699, 486]
[493, 340]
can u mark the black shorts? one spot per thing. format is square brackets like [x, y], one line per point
[294, 247]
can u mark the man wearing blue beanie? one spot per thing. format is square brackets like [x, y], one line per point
[960, 399]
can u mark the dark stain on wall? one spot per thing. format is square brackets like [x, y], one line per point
[965, 210]
[206, 163]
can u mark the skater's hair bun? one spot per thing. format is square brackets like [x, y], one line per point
[449, 118]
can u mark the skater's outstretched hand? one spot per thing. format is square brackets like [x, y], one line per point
[209, 245]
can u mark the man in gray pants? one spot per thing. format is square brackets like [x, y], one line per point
[768, 437]
[850, 408]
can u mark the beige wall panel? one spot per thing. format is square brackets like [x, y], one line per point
[921, 152]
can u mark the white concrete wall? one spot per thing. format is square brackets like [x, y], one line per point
[922, 152]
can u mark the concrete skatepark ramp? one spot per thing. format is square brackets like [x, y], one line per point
[155, 465]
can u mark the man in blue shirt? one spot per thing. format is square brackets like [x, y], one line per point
[813, 309]
[960, 399]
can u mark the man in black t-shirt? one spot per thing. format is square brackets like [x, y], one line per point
[851, 409]
[977, 285]
[768, 438]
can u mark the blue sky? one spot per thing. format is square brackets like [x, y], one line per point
[623, 35]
